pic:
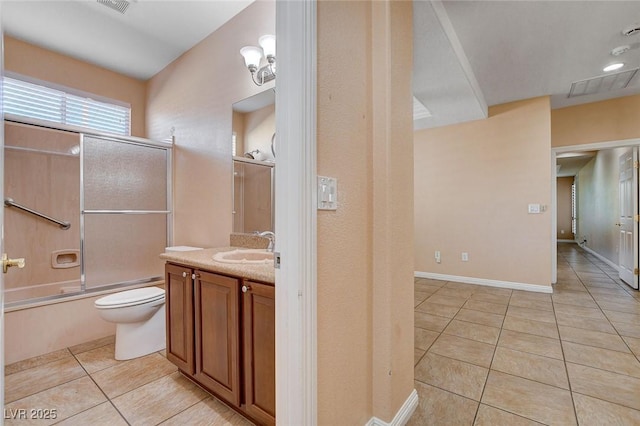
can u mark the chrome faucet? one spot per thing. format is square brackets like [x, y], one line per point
[272, 239]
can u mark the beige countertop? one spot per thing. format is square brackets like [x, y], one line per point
[203, 259]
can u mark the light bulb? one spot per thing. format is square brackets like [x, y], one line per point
[252, 56]
[268, 44]
[613, 67]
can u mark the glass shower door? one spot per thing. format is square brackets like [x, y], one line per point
[125, 208]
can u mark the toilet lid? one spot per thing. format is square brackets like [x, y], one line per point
[130, 297]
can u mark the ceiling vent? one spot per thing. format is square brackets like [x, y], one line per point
[603, 83]
[419, 110]
[117, 5]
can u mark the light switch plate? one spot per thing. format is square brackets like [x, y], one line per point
[327, 193]
[534, 208]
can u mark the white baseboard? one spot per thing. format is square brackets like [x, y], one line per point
[567, 241]
[601, 257]
[486, 282]
[402, 416]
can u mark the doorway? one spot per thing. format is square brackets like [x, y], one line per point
[604, 201]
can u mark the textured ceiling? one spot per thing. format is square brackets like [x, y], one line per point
[524, 49]
[516, 50]
[139, 43]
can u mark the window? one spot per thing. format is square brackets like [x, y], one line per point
[43, 101]
[234, 146]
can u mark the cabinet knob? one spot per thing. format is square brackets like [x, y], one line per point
[184, 275]
[246, 288]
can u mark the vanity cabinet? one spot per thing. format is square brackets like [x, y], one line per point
[259, 330]
[221, 334]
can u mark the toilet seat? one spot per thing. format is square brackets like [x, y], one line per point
[138, 296]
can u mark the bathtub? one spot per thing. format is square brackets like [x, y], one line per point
[40, 326]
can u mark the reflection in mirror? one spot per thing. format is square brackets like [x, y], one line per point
[253, 148]
[254, 123]
[252, 196]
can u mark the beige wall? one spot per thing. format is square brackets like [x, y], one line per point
[194, 95]
[598, 203]
[36, 62]
[473, 182]
[563, 193]
[611, 120]
[238, 128]
[365, 300]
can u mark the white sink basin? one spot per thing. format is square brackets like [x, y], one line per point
[244, 256]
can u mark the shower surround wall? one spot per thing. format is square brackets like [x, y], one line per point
[43, 174]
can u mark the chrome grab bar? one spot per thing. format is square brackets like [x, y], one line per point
[10, 203]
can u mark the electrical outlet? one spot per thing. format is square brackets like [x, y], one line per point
[465, 256]
[437, 256]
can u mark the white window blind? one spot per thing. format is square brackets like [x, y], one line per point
[27, 99]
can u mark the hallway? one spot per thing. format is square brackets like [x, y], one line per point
[493, 356]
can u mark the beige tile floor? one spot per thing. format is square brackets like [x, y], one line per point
[491, 356]
[483, 356]
[87, 386]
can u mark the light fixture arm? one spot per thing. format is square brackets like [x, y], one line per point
[264, 74]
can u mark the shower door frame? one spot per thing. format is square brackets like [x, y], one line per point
[82, 132]
[168, 147]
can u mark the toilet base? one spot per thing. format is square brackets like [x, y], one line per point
[134, 340]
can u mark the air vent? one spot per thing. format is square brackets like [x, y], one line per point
[419, 110]
[603, 83]
[117, 5]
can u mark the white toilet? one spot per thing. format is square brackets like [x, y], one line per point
[139, 315]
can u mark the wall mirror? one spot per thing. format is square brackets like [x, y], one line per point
[253, 147]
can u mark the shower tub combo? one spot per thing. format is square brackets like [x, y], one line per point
[90, 213]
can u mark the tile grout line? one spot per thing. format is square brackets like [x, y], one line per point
[587, 290]
[101, 390]
[45, 389]
[38, 365]
[495, 349]
[564, 360]
[607, 318]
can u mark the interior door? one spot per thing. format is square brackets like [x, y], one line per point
[628, 195]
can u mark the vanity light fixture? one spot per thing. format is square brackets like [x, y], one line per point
[253, 56]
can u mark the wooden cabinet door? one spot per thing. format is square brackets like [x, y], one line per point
[217, 334]
[259, 330]
[179, 308]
